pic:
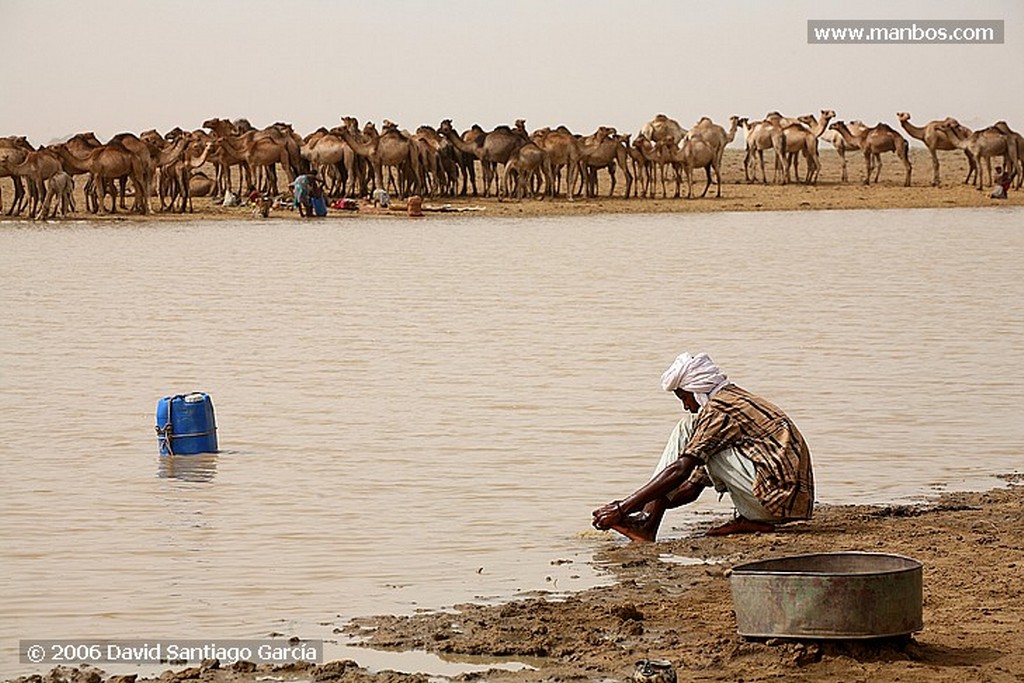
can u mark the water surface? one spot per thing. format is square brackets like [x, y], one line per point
[416, 414]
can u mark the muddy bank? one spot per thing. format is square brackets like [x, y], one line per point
[971, 546]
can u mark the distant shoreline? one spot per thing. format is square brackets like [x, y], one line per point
[737, 195]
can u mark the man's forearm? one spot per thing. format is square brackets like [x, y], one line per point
[660, 486]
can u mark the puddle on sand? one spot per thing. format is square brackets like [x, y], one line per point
[418, 661]
[680, 559]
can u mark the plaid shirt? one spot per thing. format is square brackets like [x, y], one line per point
[759, 430]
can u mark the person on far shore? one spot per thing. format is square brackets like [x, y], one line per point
[304, 189]
[730, 439]
[1001, 185]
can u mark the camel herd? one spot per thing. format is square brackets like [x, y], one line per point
[513, 162]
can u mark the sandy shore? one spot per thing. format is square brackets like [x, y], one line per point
[971, 546]
[737, 195]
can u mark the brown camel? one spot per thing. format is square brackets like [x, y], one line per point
[696, 152]
[391, 150]
[13, 151]
[984, 144]
[37, 169]
[492, 149]
[564, 151]
[874, 142]
[604, 149]
[935, 138]
[835, 139]
[106, 164]
[1018, 139]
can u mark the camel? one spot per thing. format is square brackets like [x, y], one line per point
[330, 153]
[200, 185]
[445, 166]
[935, 138]
[524, 165]
[59, 190]
[715, 135]
[798, 139]
[642, 167]
[761, 136]
[564, 151]
[874, 142]
[696, 152]
[984, 144]
[660, 128]
[38, 167]
[106, 164]
[1002, 127]
[257, 154]
[176, 164]
[657, 157]
[492, 149]
[391, 150]
[832, 136]
[603, 149]
[13, 151]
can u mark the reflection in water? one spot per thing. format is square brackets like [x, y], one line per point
[424, 413]
[200, 467]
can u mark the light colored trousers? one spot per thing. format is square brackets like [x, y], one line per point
[729, 470]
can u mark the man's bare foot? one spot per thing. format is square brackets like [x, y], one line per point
[637, 534]
[740, 525]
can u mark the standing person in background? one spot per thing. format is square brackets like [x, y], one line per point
[730, 439]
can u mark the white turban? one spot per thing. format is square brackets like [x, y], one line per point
[696, 374]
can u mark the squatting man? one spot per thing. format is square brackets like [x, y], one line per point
[729, 439]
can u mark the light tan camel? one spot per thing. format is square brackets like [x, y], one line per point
[715, 135]
[935, 138]
[873, 142]
[661, 127]
[176, 163]
[799, 139]
[835, 139]
[60, 195]
[658, 157]
[328, 152]
[760, 136]
[527, 164]
[983, 145]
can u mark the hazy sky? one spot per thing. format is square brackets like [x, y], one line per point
[129, 65]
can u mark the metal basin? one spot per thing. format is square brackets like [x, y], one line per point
[828, 595]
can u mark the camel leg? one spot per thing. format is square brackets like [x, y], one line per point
[935, 166]
[707, 170]
[906, 163]
[764, 176]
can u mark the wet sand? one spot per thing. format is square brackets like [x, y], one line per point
[970, 544]
[737, 194]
